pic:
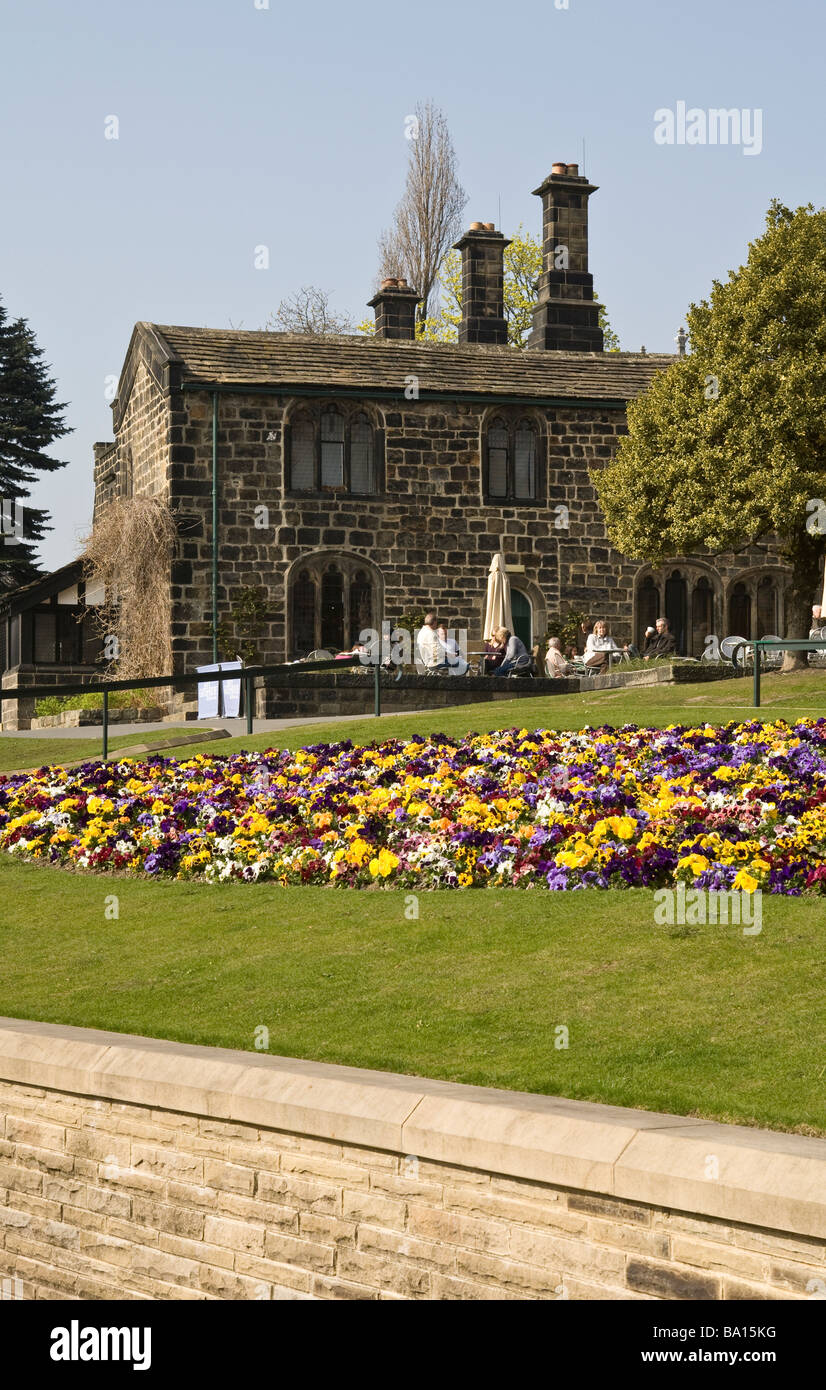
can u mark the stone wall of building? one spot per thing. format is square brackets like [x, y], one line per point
[427, 536]
[428, 533]
[131, 1168]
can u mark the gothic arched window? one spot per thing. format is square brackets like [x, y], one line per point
[739, 612]
[333, 599]
[303, 611]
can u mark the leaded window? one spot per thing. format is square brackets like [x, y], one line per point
[333, 450]
[511, 461]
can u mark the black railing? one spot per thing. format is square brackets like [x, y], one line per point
[247, 675]
[761, 646]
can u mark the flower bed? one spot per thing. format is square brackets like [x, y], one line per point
[742, 806]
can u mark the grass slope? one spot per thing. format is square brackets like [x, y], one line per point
[698, 1021]
[692, 1020]
[38, 752]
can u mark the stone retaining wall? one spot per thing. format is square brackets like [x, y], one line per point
[134, 1168]
[352, 692]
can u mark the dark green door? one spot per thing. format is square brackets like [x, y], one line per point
[522, 617]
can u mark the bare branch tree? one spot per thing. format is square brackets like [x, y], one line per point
[429, 217]
[307, 311]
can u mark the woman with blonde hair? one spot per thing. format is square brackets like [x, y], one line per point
[599, 647]
[515, 651]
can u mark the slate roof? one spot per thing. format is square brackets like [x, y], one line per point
[284, 360]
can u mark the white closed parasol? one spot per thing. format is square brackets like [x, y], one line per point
[498, 605]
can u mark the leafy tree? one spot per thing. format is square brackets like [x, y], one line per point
[728, 445]
[307, 311]
[30, 421]
[523, 266]
[611, 342]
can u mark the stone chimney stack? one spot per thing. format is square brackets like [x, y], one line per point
[483, 308]
[566, 317]
[395, 306]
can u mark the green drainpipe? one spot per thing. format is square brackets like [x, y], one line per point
[215, 526]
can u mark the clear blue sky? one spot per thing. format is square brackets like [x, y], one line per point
[285, 127]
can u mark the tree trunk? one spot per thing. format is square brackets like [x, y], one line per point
[805, 554]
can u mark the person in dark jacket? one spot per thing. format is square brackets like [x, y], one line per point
[662, 644]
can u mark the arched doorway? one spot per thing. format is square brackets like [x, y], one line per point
[522, 614]
[676, 607]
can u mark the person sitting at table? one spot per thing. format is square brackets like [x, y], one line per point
[450, 653]
[515, 650]
[662, 644]
[494, 655]
[598, 647]
[579, 644]
[555, 663]
[427, 655]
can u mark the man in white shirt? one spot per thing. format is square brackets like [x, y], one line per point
[428, 649]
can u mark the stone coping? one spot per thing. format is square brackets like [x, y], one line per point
[757, 1177]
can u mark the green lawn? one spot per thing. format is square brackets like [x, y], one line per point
[702, 1021]
[783, 697]
[699, 1021]
[38, 752]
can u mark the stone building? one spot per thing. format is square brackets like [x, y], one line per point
[354, 478]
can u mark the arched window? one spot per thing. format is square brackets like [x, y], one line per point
[510, 461]
[304, 612]
[702, 615]
[676, 605]
[362, 473]
[497, 460]
[739, 612]
[524, 461]
[333, 448]
[302, 455]
[332, 608]
[361, 605]
[648, 608]
[767, 607]
[332, 599]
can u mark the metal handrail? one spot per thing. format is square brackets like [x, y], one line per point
[775, 644]
[246, 674]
